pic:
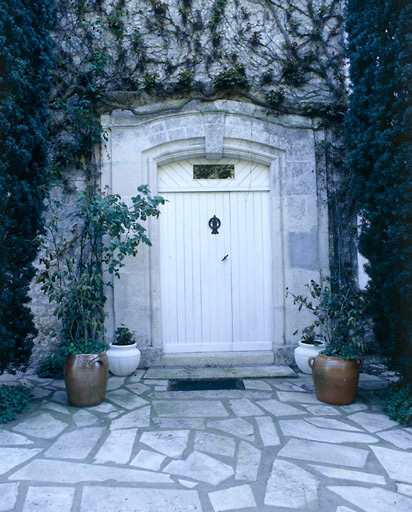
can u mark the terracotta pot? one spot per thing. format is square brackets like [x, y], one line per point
[304, 351]
[335, 379]
[85, 376]
[123, 359]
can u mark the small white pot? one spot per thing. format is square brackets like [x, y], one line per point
[123, 359]
[303, 352]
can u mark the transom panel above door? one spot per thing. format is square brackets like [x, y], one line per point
[215, 256]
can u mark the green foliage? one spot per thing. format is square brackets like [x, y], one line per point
[74, 270]
[397, 402]
[85, 346]
[52, 367]
[184, 80]
[150, 81]
[275, 97]
[159, 8]
[123, 336]
[218, 10]
[116, 21]
[340, 310]
[379, 141]
[13, 401]
[232, 78]
[26, 58]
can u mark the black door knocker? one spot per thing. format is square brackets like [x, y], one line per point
[214, 223]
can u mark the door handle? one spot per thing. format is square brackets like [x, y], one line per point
[223, 259]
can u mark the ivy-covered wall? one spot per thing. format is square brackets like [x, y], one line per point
[149, 57]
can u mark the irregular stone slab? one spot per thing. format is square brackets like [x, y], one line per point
[126, 399]
[237, 427]
[256, 384]
[304, 430]
[75, 445]
[345, 474]
[268, 431]
[60, 397]
[139, 500]
[324, 452]
[397, 464]
[374, 499]
[201, 467]
[137, 375]
[217, 394]
[190, 408]
[404, 489]
[179, 423]
[156, 382]
[104, 407]
[139, 418]
[10, 438]
[114, 382]
[40, 392]
[52, 406]
[234, 498]
[221, 372]
[41, 424]
[322, 410]
[117, 448]
[291, 487]
[113, 415]
[244, 407]
[186, 483]
[171, 443]
[8, 493]
[248, 461]
[283, 385]
[148, 460]
[84, 418]
[49, 499]
[372, 422]
[400, 438]
[62, 472]
[332, 423]
[213, 443]
[137, 388]
[295, 396]
[278, 408]
[12, 457]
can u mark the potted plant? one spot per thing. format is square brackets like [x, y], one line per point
[76, 269]
[340, 311]
[310, 345]
[123, 354]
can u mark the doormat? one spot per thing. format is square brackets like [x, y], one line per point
[203, 385]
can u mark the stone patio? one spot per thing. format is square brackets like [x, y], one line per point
[270, 447]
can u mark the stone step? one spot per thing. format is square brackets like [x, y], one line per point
[234, 372]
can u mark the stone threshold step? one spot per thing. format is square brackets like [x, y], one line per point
[221, 372]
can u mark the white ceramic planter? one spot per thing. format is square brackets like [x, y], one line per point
[123, 359]
[303, 352]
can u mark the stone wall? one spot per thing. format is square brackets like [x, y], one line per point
[161, 69]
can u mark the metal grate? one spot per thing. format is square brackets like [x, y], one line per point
[202, 385]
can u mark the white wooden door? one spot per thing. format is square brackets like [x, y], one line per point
[216, 289]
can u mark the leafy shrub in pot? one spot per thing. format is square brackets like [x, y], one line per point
[340, 311]
[124, 356]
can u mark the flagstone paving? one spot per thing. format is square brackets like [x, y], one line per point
[270, 447]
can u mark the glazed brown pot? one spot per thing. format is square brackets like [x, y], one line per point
[85, 376]
[335, 379]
